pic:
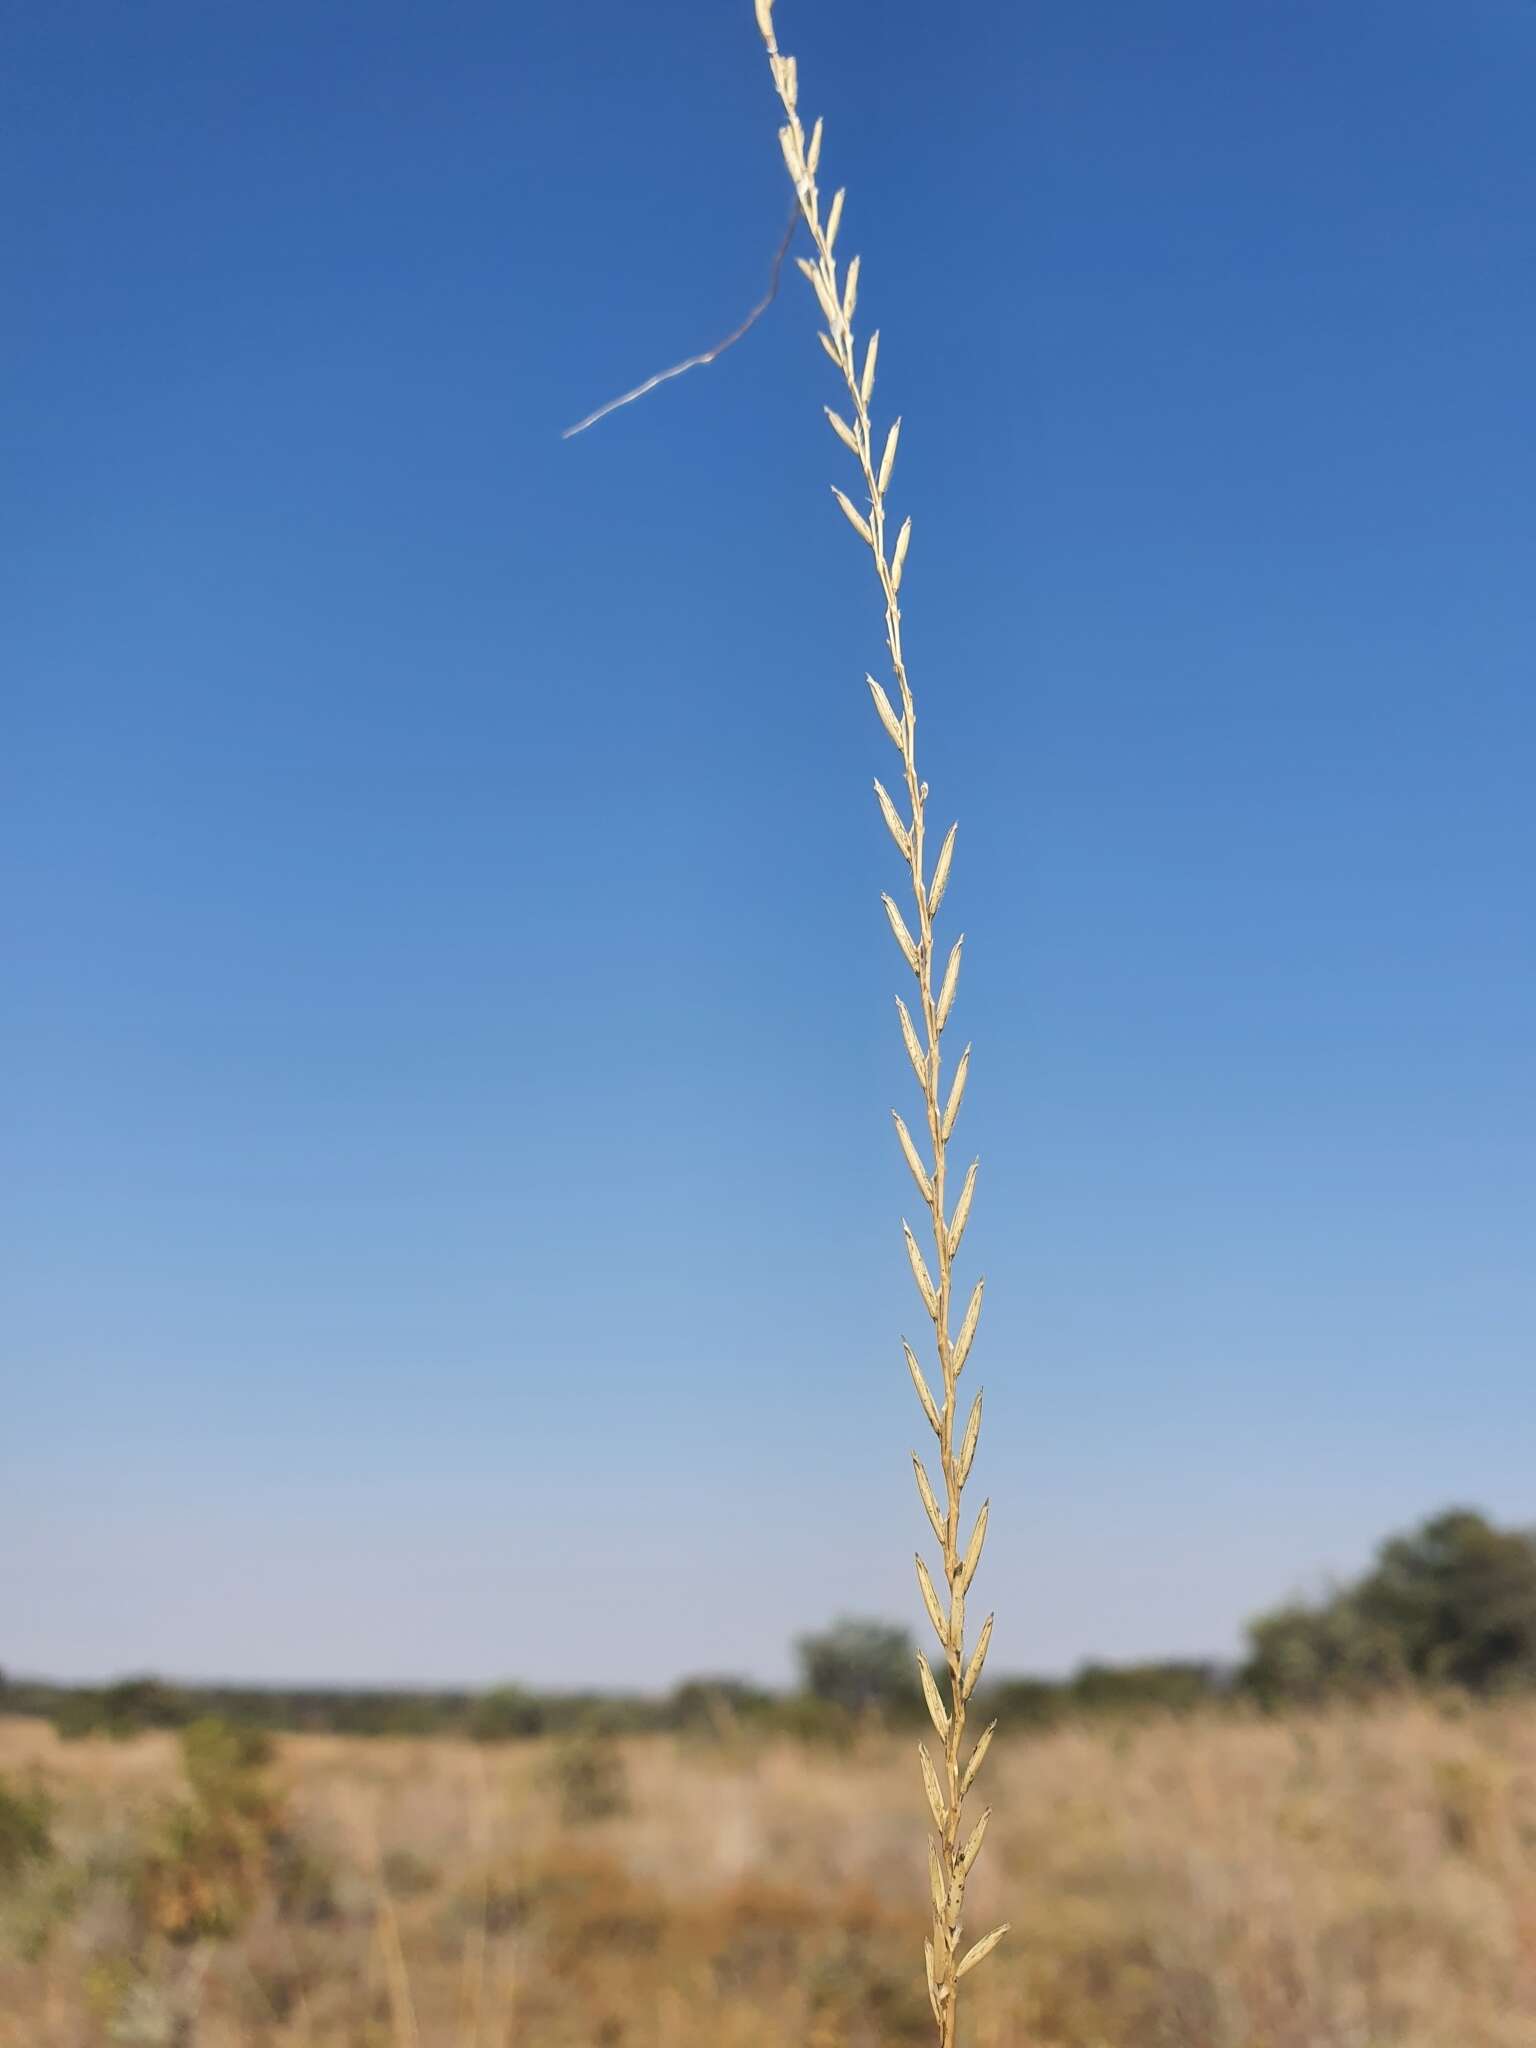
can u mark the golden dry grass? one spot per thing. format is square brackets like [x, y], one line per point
[1358, 1881]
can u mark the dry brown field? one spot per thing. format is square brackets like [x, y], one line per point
[1361, 1880]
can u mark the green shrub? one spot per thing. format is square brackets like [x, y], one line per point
[506, 1714]
[593, 1782]
[26, 1837]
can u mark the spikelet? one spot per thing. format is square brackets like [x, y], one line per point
[841, 428]
[973, 1548]
[854, 517]
[935, 1705]
[979, 1753]
[888, 459]
[935, 1422]
[931, 1602]
[886, 711]
[951, 982]
[913, 1044]
[913, 1159]
[926, 1495]
[978, 1658]
[925, 1286]
[940, 880]
[984, 1947]
[956, 1095]
[973, 1843]
[867, 381]
[893, 822]
[899, 555]
[971, 1439]
[899, 931]
[962, 1210]
[931, 1786]
[961, 1349]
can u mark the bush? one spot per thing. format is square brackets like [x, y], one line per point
[593, 1782]
[1453, 1602]
[26, 1837]
[210, 1856]
[506, 1715]
[864, 1667]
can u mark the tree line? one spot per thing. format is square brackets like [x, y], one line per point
[1451, 1603]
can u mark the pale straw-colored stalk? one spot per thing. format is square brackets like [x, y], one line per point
[952, 1850]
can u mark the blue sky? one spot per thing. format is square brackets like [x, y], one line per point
[450, 1225]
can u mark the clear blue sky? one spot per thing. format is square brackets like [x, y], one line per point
[450, 1216]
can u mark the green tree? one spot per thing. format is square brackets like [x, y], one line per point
[1459, 1596]
[1452, 1602]
[1313, 1653]
[860, 1666]
[506, 1714]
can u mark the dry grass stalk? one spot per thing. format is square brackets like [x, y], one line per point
[947, 1783]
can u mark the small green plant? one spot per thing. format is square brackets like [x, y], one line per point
[209, 1856]
[952, 1851]
[407, 1875]
[26, 1832]
[506, 1714]
[592, 1781]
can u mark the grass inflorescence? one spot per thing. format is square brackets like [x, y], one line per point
[948, 1778]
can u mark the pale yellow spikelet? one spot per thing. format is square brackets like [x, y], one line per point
[930, 1409]
[899, 553]
[871, 356]
[973, 1549]
[971, 1439]
[962, 1209]
[888, 459]
[931, 1786]
[961, 1349]
[851, 295]
[973, 1842]
[934, 1704]
[983, 1948]
[835, 216]
[936, 1884]
[854, 517]
[841, 428]
[824, 293]
[913, 1158]
[930, 1502]
[951, 981]
[979, 1753]
[941, 871]
[933, 1988]
[978, 1659]
[886, 712]
[900, 933]
[913, 1044]
[894, 822]
[925, 1286]
[931, 1602]
[956, 1095]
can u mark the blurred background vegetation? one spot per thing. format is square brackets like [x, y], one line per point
[1332, 1840]
[1451, 1603]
